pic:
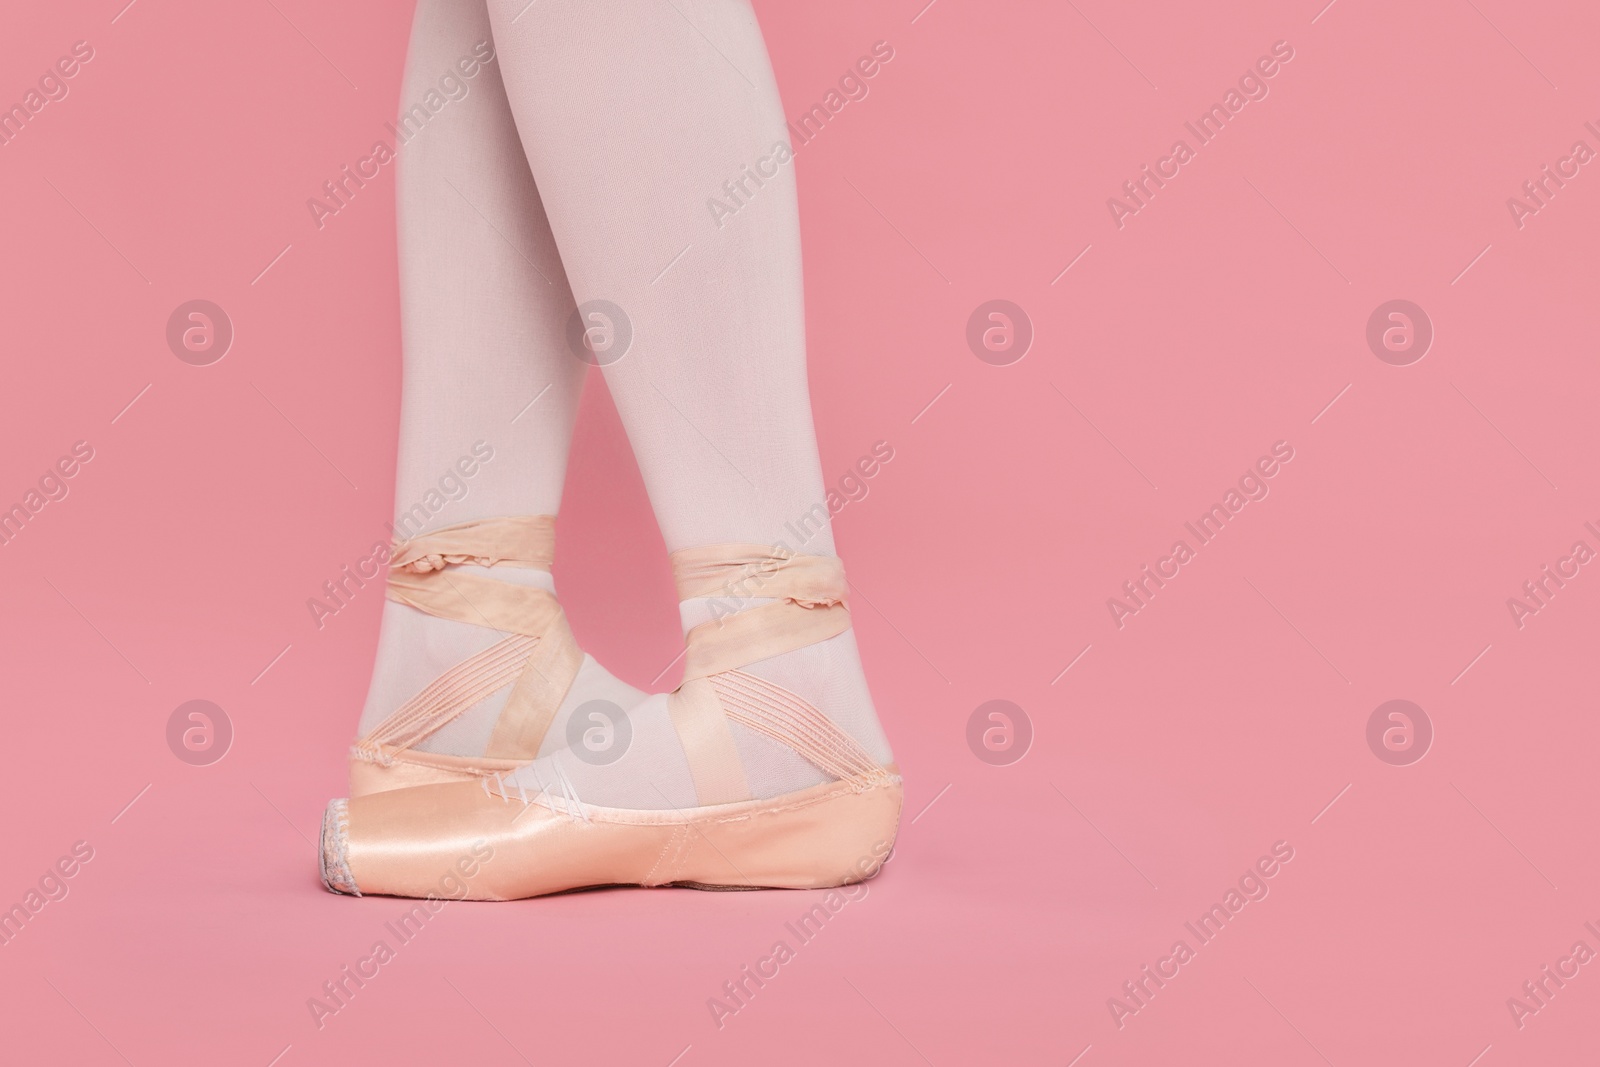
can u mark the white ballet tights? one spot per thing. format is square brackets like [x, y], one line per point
[631, 116]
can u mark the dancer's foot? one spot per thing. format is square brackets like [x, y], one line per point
[477, 671]
[765, 768]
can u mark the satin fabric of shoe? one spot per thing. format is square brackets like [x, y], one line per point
[465, 840]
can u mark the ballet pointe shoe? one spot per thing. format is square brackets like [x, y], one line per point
[481, 841]
[538, 656]
[495, 839]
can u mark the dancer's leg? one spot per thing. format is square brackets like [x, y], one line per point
[484, 303]
[634, 113]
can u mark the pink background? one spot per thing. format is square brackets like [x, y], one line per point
[1225, 717]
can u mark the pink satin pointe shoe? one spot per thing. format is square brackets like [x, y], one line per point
[528, 833]
[538, 657]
